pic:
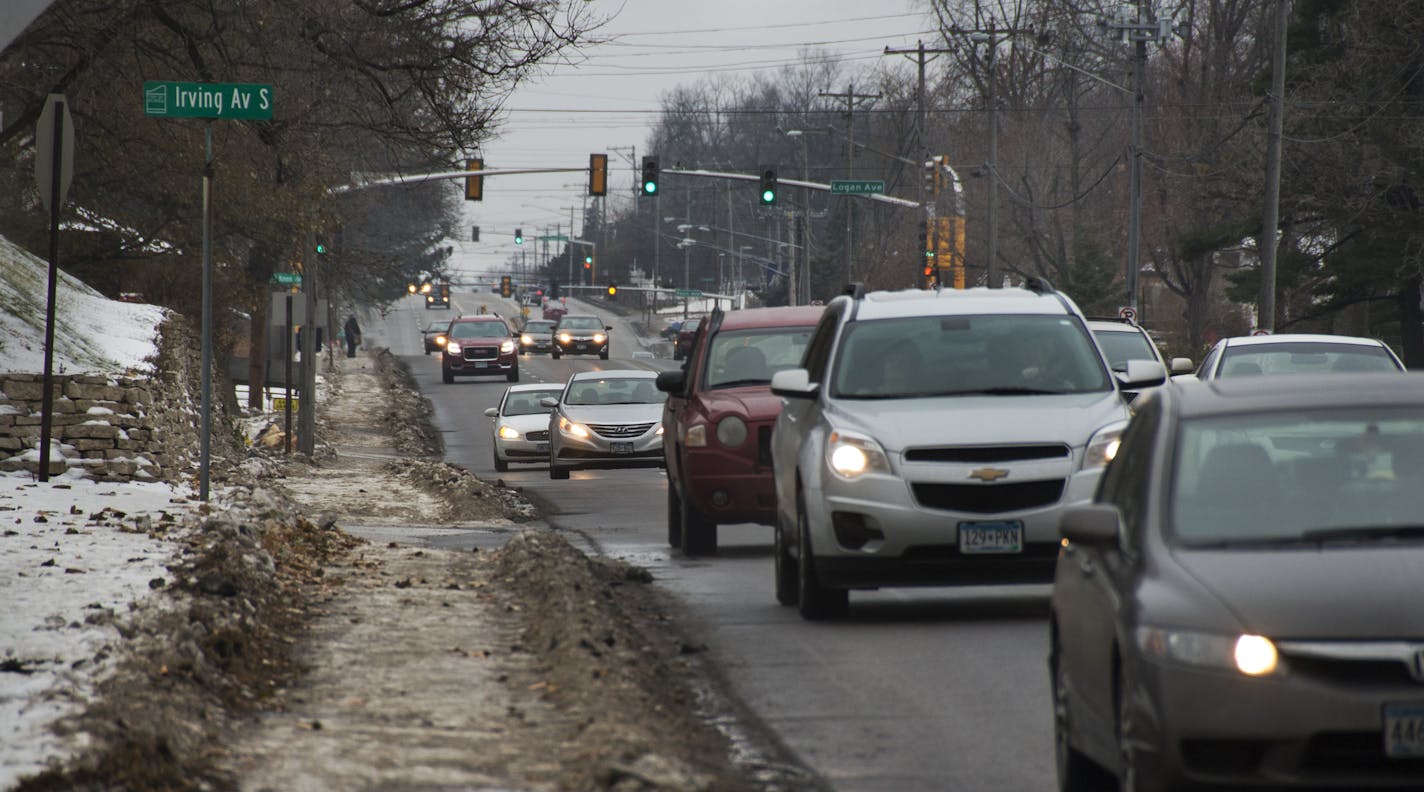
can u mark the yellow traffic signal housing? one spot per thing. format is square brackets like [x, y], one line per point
[474, 185]
[506, 286]
[612, 290]
[598, 174]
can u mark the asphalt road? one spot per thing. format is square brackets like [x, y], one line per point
[919, 689]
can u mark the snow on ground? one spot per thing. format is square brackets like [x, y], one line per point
[68, 567]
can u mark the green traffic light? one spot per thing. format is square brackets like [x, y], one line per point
[650, 188]
[320, 248]
[767, 196]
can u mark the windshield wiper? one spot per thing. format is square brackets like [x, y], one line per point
[1364, 533]
[741, 383]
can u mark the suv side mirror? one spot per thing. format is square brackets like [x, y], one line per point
[671, 381]
[1183, 365]
[1142, 374]
[608, 327]
[794, 384]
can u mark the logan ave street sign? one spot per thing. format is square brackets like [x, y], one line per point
[857, 186]
[164, 99]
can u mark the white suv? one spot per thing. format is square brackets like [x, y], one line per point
[933, 437]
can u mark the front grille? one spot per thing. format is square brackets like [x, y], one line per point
[620, 430]
[988, 498]
[764, 446]
[480, 352]
[983, 454]
[537, 436]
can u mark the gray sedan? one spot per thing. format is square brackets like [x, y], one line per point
[606, 419]
[1238, 607]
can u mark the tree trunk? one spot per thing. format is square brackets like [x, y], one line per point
[1411, 323]
[257, 349]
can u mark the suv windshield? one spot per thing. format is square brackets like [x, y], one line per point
[749, 357]
[1121, 346]
[460, 330]
[581, 323]
[920, 356]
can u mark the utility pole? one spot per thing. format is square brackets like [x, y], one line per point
[850, 97]
[922, 115]
[991, 36]
[1136, 31]
[1269, 242]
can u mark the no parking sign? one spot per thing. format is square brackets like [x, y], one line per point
[1127, 313]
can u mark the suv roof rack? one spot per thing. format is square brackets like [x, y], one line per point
[1038, 285]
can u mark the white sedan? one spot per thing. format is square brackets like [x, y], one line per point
[1296, 353]
[606, 419]
[521, 425]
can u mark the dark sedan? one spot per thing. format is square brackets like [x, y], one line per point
[1238, 607]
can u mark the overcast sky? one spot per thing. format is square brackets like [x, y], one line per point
[608, 99]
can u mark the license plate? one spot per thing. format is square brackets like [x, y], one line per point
[480, 364]
[541, 448]
[983, 538]
[621, 447]
[1404, 731]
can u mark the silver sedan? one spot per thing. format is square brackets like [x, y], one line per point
[606, 419]
[520, 425]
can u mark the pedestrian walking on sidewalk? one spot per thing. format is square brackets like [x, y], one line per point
[353, 336]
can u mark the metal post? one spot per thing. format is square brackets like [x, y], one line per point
[1134, 189]
[287, 381]
[204, 454]
[991, 269]
[687, 249]
[47, 399]
[850, 165]
[306, 408]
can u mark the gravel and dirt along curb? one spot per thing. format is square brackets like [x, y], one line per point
[289, 655]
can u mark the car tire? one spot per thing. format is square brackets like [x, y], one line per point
[785, 566]
[513, 375]
[676, 354]
[556, 472]
[1076, 773]
[674, 516]
[603, 355]
[699, 534]
[447, 376]
[555, 353]
[500, 465]
[1129, 774]
[814, 601]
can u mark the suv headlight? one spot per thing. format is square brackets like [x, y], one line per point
[526, 339]
[507, 346]
[572, 428]
[1252, 655]
[1103, 446]
[850, 456]
[731, 431]
[452, 346]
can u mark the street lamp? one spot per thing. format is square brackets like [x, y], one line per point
[795, 286]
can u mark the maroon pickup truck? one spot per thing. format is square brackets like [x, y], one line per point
[718, 417]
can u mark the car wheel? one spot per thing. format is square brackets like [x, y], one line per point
[427, 352]
[556, 472]
[555, 353]
[447, 376]
[699, 534]
[674, 516]
[603, 355]
[815, 601]
[785, 564]
[500, 465]
[676, 354]
[1129, 769]
[513, 375]
[1075, 772]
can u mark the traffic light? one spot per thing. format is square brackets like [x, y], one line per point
[320, 248]
[588, 262]
[650, 176]
[598, 174]
[612, 290]
[506, 286]
[518, 236]
[768, 186]
[474, 185]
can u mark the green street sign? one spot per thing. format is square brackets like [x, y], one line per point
[287, 278]
[688, 292]
[857, 186]
[252, 101]
[553, 238]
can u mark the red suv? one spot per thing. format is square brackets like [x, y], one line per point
[718, 417]
[480, 346]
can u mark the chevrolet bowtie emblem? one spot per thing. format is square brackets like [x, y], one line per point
[988, 474]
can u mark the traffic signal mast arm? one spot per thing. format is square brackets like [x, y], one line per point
[756, 177]
[415, 178]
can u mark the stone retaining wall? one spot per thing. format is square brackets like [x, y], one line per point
[113, 428]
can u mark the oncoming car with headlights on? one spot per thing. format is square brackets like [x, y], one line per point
[520, 425]
[606, 419]
[932, 438]
[1237, 608]
[580, 334]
